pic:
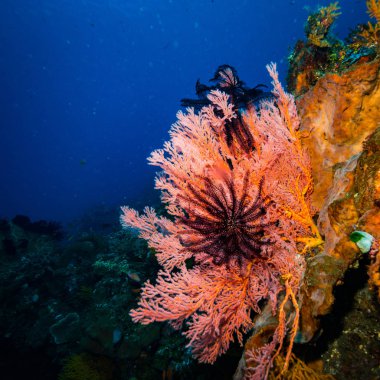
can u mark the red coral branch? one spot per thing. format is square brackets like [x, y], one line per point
[243, 216]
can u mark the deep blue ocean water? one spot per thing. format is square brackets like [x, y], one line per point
[88, 88]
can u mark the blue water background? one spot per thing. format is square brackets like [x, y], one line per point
[88, 88]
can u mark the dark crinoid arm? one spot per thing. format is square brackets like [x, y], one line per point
[237, 130]
[224, 222]
[241, 97]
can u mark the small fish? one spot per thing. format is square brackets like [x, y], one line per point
[134, 277]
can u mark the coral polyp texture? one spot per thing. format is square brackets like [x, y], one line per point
[239, 222]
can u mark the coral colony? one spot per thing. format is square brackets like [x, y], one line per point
[236, 184]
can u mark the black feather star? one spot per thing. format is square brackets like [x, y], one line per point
[241, 97]
[224, 223]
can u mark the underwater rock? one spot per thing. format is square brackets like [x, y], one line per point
[101, 334]
[40, 227]
[4, 226]
[337, 114]
[352, 203]
[355, 352]
[66, 329]
[20, 236]
[139, 340]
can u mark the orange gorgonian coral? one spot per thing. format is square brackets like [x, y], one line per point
[243, 217]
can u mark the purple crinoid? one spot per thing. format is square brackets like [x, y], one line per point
[223, 221]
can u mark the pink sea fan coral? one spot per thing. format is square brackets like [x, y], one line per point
[242, 215]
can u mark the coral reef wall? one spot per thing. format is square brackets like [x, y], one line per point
[340, 116]
[338, 113]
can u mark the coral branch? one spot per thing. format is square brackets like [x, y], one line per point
[237, 185]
